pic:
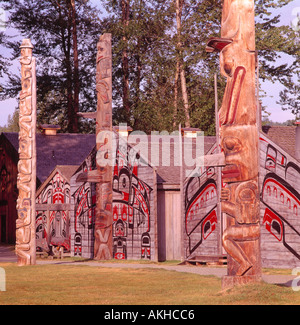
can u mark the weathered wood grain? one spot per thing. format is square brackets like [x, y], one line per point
[26, 182]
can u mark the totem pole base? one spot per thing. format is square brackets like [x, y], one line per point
[228, 282]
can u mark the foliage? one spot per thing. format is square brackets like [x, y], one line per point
[267, 121]
[290, 96]
[152, 99]
[146, 92]
[12, 123]
[48, 25]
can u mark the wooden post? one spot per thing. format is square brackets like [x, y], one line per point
[239, 141]
[26, 182]
[221, 216]
[103, 211]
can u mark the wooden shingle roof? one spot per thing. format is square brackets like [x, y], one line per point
[60, 149]
[283, 136]
[168, 172]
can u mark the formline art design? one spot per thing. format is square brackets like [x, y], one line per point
[26, 181]
[103, 209]
[239, 141]
[102, 175]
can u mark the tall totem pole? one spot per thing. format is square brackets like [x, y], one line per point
[103, 213]
[26, 182]
[239, 141]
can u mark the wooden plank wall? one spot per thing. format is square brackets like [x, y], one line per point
[169, 225]
[8, 192]
[201, 216]
[82, 212]
[136, 239]
[134, 210]
[134, 205]
[280, 206]
[52, 202]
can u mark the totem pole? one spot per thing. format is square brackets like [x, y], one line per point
[26, 181]
[103, 211]
[239, 142]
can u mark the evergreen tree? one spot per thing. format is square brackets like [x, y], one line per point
[12, 123]
[151, 49]
[64, 34]
[290, 96]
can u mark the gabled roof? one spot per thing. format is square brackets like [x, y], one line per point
[65, 171]
[60, 149]
[171, 175]
[65, 149]
[168, 172]
[162, 154]
[283, 136]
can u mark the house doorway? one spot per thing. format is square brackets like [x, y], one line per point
[3, 229]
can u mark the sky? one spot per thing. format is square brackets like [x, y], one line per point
[288, 16]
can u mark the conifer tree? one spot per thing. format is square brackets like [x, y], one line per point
[64, 34]
[148, 56]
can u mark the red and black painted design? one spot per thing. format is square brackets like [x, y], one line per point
[84, 212]
[277, 192]
[56, 233]
[200, 209]
[131, 207]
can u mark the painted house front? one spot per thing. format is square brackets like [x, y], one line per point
[53, 211]
[134, 210]
[57, 149]
[279, 181]
[160, 212]
[280, 206]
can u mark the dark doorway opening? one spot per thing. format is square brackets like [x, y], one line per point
[3, 229]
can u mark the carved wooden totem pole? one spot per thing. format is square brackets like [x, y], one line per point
[103, 219]
[26, 182]
[239, 141]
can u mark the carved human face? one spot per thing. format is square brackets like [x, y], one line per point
[26, 52]
[247, 202]
[102, 47]
[120, 229]
[239, 144]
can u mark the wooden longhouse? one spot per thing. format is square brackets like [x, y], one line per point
[161, 212]
[52, 150]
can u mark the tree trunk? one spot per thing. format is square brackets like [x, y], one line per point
[66, 40]
[179, 6]
[185, 97]
[125, 65]
[76, 69]
[176, 94]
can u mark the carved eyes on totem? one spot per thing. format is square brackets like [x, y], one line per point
[228, 67]
[232, 145]
[247, 195]
[101, 47]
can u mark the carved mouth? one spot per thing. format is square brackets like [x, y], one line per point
[230, 171]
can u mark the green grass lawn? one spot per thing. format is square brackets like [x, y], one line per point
[82, 284]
